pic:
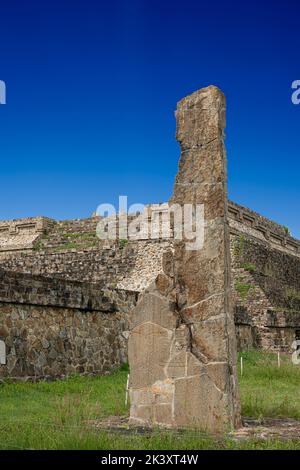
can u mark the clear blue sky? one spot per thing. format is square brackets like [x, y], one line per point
[92, 88]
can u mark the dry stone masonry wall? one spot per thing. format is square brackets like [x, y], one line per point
[51, 328]
[253, 225]
[131, 266]
[267, 291]
[20, 235]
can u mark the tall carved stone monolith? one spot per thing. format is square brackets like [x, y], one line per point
[182, 350]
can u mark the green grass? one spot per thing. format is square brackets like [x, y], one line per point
[243, 289]
[250, 267]
[78, 241]
[57, 415]
[80, 236]
[122, 243]
[77, 246]
[269, 391]
[73, 241]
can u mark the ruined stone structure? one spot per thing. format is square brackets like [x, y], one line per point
[44, 252]
[18, 236]
[267, 295]
[182, 350]
[53, 328]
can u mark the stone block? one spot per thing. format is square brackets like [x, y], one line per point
[154, 308]
[149, 350]
[199, 404]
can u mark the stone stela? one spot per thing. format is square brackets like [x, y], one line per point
[182, 350]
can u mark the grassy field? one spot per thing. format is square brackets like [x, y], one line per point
[269, 391]
[56, 415]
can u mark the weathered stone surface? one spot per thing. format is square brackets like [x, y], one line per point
[64, 330]
[184, 364]
[198, 403]
[149, 349]
[154, 308]
[177, 365]
[195, 354]
[210, 339]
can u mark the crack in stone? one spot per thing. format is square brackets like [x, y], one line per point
[207, 320]
[196, 184]
[201, 146]
[218, 294]
[199, 355]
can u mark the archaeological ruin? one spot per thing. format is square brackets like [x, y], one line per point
[182, 349]
[69, 301]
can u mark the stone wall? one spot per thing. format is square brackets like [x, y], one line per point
[254, 225]
[70, 250]
[21, 234]
[53, 328]
[266, 281]
[267, 294]
[47, 235]
[131, 266]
